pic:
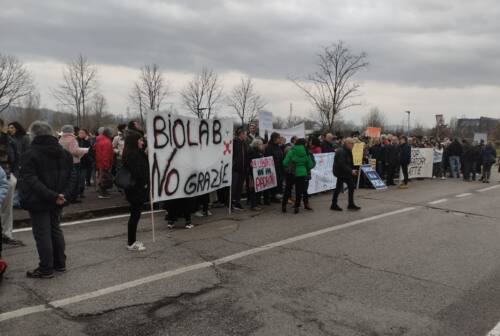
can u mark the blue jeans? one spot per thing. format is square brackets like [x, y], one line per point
[455, 166]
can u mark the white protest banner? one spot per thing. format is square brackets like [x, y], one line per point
[478, 137]
[187, 156]
[264, 173]
[322, 177]
[298, 131]
[265, 123]
[421, 163]
[438, 155]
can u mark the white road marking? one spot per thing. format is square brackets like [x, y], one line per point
[99, 219]
[495, 331]
[168, 274]
[438, 201]
[463, 195]
[489, 188]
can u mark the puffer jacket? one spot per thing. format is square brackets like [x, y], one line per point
[299, 157]
[47, 171]
[68, 142]
[103, 152]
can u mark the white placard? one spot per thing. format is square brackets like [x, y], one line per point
[481, 136]
[187, 156]
[322, 178]
[421, 163]
[264, 173]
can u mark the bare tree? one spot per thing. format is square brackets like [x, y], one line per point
[79, 83]
[203, 94]
[15, 81]
[31, 111]
[245, 102]
[99, 105]
[149, 91]
[331, 88]
[374, 118]
[137, 101]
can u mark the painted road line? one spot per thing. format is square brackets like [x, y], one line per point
[495, 331]
[438, 201]
[463, 195]
[168, 274]
[489, 188]
[93, 220]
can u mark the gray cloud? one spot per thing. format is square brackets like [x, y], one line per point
[450, 43]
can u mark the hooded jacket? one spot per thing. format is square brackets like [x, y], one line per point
[299, 156]
[46, 171]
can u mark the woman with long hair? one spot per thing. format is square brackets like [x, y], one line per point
[136, 162]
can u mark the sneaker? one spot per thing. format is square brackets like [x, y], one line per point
[237, 207]
[354, 207]
[335, 207]
[199, 214]
[171, 225]
[434, 177]
[137, 246]
[189, 226]
[11, 241]
[103, 196]
[443, 178]
[208, 213]
[38, 274]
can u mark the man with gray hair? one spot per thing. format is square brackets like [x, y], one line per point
[47, 183]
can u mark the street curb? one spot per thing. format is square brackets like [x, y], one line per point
[79, 215]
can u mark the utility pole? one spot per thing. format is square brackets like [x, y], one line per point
[408, 112]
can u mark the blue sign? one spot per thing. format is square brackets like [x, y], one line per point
[372, 175]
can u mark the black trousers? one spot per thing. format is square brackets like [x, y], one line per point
[49, 239]
[181, 207]
[237, 187]
[300, 189]
[391, 173]
[133, 221]
[289, 183]
[469, 170]
[404, 168]
[340, 186]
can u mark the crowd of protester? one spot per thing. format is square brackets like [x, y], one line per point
[41, 173]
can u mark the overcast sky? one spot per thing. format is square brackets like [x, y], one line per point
[427, 56]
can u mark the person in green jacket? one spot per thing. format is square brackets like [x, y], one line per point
[297, 162]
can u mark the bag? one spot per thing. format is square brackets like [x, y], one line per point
[3, 267]
[123, 179]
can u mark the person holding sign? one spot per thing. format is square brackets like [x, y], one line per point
[343, 169]
[255, 152]
[299, 162]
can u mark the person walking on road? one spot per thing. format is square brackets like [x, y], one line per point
[47, 183]
[404, 160]
[69, 142]
[299, 159]
[104, 162]
[9, 163]
[343, 169]
[455, 152]
[488, 157]
[136, 162]
[4, 189]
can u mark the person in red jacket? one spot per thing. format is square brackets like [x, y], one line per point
[103, 162]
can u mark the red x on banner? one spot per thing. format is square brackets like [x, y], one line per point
[227, 147]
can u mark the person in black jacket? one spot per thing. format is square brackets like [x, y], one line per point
[455, 152]
[343, 169]
[274, 149]
[471, 155]
[136, 162]
[46, 185]
[391, 160]
[404, 160]
[240, 167]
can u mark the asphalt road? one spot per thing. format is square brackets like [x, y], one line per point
[422, 261]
